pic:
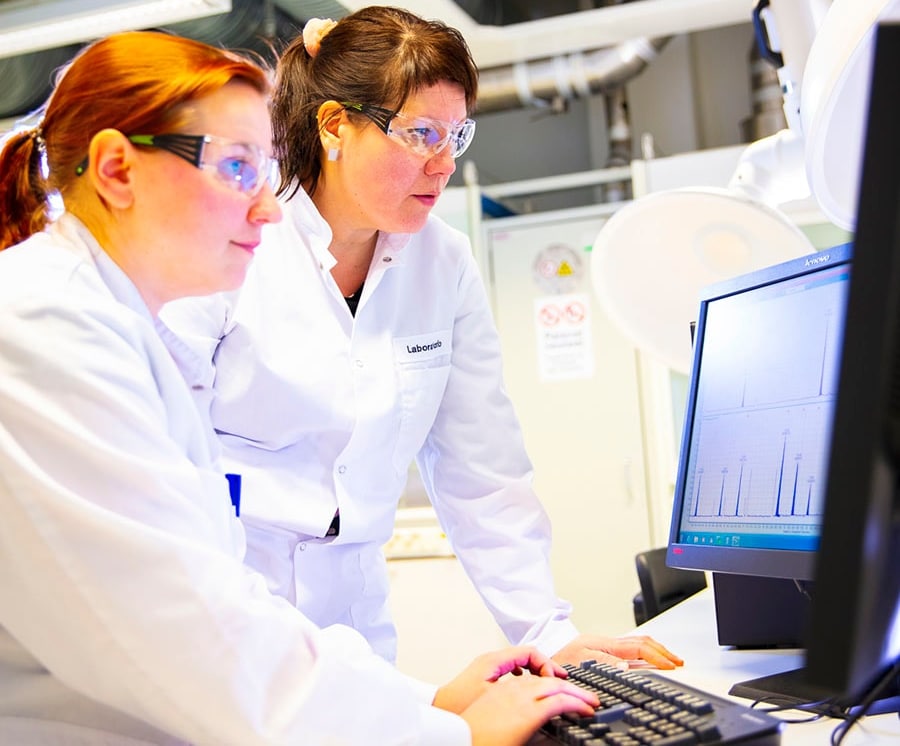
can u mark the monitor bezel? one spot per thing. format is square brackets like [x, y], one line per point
[773, 563]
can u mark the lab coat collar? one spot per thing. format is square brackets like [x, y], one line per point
[390, 249]
[195, 368]
[309, 225]
[316, 234]
[76, 234]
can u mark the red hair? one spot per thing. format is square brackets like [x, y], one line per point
[136, 82]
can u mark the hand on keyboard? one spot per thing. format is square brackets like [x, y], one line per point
[506, 695]
[514, 708]
[618, 651]
[479, 675]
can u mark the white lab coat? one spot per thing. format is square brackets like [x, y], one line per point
[126, 615]
[320, 411]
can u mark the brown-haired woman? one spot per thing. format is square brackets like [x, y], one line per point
[364, 340]
[126, 614]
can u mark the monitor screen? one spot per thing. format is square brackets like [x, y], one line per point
[750, 488]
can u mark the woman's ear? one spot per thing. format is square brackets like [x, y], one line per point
[330, 117]
[111, 160]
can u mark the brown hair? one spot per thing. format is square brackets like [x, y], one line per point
[135, 82]
[377, 55]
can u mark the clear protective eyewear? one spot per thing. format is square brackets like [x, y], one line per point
[241, 166]
[422, 135]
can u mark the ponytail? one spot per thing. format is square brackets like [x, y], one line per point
[24, 203]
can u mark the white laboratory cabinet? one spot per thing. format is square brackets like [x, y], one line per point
[573, 378]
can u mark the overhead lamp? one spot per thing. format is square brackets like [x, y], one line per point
[44, 25]
[834, 102]
[653, 256]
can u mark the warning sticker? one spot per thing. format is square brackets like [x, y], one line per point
[564, 342]
[558, 269]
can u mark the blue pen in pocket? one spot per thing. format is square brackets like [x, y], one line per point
[234, 490]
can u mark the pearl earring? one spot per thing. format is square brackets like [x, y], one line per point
[333, 153]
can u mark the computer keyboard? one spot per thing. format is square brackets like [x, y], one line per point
[640, 707]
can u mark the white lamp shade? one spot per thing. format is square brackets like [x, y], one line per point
[834, 103]
[653, 256]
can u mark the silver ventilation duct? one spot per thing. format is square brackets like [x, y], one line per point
[547, 82]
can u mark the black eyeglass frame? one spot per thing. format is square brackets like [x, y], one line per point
[378, 114]
[191, 148]
[188, 147]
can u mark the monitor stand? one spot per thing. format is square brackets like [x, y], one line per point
[791, 688]
[756, 612]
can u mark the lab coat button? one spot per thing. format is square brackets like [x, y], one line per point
[359, 363]
[301, 547]
[342, 469]
[387, 259]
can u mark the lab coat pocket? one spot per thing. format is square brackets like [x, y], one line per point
[423, 366]
[220, 511]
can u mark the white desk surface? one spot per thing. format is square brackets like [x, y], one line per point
[689, 630]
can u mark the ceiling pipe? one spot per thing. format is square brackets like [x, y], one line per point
[549, 83]
[599, 28]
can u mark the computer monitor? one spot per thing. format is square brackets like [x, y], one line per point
[854, 631]
[851, 546]
[751, 483]
[750, 488]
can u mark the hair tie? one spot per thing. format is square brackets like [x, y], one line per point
[39, 152]
[314, 31]
[37, 134]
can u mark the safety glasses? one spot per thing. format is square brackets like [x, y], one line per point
[240, 166]
[422, 135]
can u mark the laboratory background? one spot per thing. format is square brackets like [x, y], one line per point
[586, 108]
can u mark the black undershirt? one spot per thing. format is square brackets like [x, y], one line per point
[353, 300]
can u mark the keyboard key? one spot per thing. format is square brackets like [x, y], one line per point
[612, 713]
